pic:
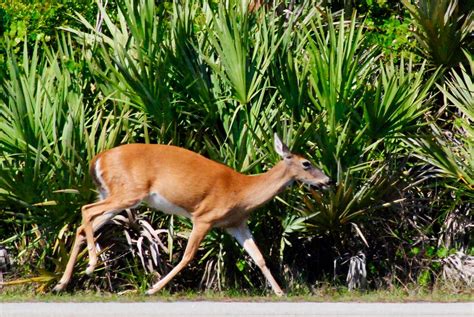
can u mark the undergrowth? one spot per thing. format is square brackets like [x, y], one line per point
[411, 293]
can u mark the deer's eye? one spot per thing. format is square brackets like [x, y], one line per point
[306, 165]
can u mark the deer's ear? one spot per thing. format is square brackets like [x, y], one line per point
[281, 147]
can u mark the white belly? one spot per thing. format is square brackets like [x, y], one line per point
[159, 202]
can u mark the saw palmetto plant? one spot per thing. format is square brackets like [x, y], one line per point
[443, 28]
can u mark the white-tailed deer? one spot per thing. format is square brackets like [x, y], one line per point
[181, 182]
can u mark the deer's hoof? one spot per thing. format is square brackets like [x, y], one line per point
[89, 270]
[280, 293]
[59, 287]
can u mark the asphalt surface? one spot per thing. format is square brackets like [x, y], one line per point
[203, 308]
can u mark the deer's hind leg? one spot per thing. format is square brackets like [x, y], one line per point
[95, 215]
[79, 240]
[76, 248]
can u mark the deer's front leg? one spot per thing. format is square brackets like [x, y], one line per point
[243, 235]
[197, 234]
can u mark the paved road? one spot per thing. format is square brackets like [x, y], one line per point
[198, 309]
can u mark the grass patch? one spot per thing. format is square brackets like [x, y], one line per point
[324, 294]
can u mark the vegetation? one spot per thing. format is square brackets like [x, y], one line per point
[387, 115]
[321, 294]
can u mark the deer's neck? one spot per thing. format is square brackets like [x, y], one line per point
[263, 187]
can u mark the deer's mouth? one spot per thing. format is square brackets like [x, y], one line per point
[323, 185]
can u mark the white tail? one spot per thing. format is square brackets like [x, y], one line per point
[178, 181]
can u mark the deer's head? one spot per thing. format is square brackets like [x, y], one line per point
[300, 168]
